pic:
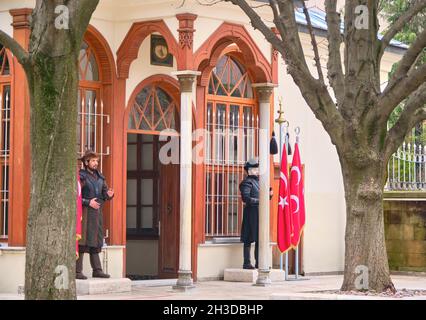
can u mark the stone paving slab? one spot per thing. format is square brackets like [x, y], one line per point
[223, 290]
[103, 286]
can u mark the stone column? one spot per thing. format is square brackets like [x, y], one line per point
[264, 91]
[186, 80]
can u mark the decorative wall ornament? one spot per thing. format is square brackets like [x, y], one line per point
[160, 54]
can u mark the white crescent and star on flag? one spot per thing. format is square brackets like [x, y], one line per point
[299, 174]
[283, 202]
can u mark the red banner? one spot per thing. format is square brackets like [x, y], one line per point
[297, 198]
[79, 214]
[284, 217]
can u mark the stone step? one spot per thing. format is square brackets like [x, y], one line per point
[245, 275]
[103, 286]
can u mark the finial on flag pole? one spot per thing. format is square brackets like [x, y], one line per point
[297, 131]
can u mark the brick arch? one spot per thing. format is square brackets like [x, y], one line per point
[102, 53]
[129, 48]
[213, 48]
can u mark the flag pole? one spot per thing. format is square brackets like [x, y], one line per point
[297, 131]
[283, 123]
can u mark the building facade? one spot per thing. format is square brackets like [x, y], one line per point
[152, 72]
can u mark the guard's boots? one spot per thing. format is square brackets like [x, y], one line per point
[95, 262]
[79, 268]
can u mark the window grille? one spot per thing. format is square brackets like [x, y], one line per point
[5, 109]
[231, 140]
[91, 116]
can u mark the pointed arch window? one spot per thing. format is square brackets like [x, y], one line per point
[4, 62]
[5, 147]
[88, 67]
[92, 118]
[231, 139]
[230, 79]
[153, 111]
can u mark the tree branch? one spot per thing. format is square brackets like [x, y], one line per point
[405, 67]
[334, 64]
[14, 47]
[85, 11]
[399, 24]
[314, 43]
[257, 23]
[400, 89]
[414, 112]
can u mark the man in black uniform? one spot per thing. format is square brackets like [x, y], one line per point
[250, 189]
[94, 193]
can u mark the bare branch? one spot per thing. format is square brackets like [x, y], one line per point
[405, 18]
[414, 112]
[400, 89]
[334, 37]
[314, 43]
[85, 11]
[14, 47]
[257, 23]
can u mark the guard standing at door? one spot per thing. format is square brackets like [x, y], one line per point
[250, 190]
[94, 193]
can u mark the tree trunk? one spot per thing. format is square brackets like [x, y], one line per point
[366, 264]
[50, 254]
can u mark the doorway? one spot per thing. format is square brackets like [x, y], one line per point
[152, 211]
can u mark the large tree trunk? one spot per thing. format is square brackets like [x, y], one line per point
[50, 257]
[366, 264]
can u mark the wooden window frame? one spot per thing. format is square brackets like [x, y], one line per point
[6, 81]
[211, 169]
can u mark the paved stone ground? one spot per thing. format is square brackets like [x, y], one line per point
[221, 290]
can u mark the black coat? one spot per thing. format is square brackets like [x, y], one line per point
[249, 189]
[93, 186]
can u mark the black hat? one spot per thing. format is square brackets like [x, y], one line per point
[252, 163]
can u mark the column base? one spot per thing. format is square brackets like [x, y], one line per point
[263, 279]
[184, 281]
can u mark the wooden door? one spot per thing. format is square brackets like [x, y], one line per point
[168, 254]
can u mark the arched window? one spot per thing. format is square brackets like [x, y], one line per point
[231, 124]
[5, 126]
[153, 111]
[91, 118]
[4, 62]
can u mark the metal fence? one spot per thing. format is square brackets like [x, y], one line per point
[407, 168]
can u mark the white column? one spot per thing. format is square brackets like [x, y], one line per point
[186, 80]
[264, 91]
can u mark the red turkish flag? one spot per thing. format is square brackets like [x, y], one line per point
[284, 217]
[297, 198]
[79, 214]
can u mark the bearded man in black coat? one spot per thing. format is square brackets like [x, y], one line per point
[94, 193]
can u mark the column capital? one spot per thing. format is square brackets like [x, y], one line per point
[186, 79]
[21, 18]
[264, 90]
